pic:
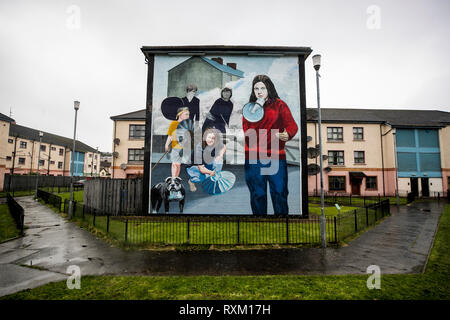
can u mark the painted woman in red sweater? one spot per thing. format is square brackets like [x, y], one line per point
[265, 156]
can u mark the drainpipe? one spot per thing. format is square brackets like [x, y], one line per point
[382, 162]
[32, 154]
[114, 148]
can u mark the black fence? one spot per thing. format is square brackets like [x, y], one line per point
[50, 198]
[14, 183]
[16, 212]
[168, 229]
[354, 221]
[346, 199]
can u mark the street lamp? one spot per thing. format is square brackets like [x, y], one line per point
[76, 106]
[323, 234]
[41, 134]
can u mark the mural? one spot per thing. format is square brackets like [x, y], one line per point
[225, 135]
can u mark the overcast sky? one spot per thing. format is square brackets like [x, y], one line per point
[375, 54]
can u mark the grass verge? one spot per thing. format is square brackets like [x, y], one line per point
[432, 285]
[8, 228]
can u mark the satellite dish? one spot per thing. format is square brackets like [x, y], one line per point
[312, 152]
[115, 154]
[308, 138]
[313, 169]
[116, 141]
[123, 166]
[327, 169]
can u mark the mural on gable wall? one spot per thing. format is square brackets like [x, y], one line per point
[225, 135]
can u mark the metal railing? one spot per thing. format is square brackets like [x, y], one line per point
[193, 229]
[16, 212]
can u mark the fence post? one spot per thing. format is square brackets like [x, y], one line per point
[287, 229]
[356, 221]
[238, 240]
[367, 216]
[107, 223]
[364, 199]
[335, 229]
[93, 219]
[376, 218]
[126, 229]
[188, 231]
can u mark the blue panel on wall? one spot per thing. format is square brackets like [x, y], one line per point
[405, 138]
[430, 162]
[407, 161]
[428, 138]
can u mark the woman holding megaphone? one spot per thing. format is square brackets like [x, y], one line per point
[276, 122]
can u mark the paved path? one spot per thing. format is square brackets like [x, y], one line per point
[400, 244]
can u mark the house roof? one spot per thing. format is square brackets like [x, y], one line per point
[224, 68]
[6, 118]
[33, 134]
[395, 118]
[135, 115]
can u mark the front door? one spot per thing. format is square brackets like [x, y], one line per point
[356, 186]
[425, 187]
[415, 187]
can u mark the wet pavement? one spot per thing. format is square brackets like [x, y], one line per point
[399, 244]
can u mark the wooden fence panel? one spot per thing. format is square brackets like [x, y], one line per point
[114, 196]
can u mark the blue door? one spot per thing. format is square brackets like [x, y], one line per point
[78, 161]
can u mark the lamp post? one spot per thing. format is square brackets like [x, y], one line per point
[41, 134]
[76, 105]
[323, 234]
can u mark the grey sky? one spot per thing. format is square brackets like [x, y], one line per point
[46, 62]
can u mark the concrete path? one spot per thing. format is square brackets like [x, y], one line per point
[400, 244]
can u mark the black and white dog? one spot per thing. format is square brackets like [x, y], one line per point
[170, 190]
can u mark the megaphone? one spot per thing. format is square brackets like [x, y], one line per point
[254, 111]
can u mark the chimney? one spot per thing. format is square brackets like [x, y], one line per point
[232, 65]
[218, 60]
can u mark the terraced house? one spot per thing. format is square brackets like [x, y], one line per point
[368, 152]
[19, 150]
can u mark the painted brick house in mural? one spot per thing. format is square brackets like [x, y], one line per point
[205, 73]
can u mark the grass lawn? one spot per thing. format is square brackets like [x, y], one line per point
[433, 284]
[8, 227]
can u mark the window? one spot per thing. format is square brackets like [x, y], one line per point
[43, 148]
[61, 151]
[8, 158]
[335, 133]
[95, 167]
[21, 160]
[358, 133]
[371, 183]
[135, 155]
[52, 162]
[53, 149]
[359, 157]
[42, 162]
[336, 158]
[137, 131]
[23, 144]
[10, 140]
[336, 183]
[60, 165]
[89, 165]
